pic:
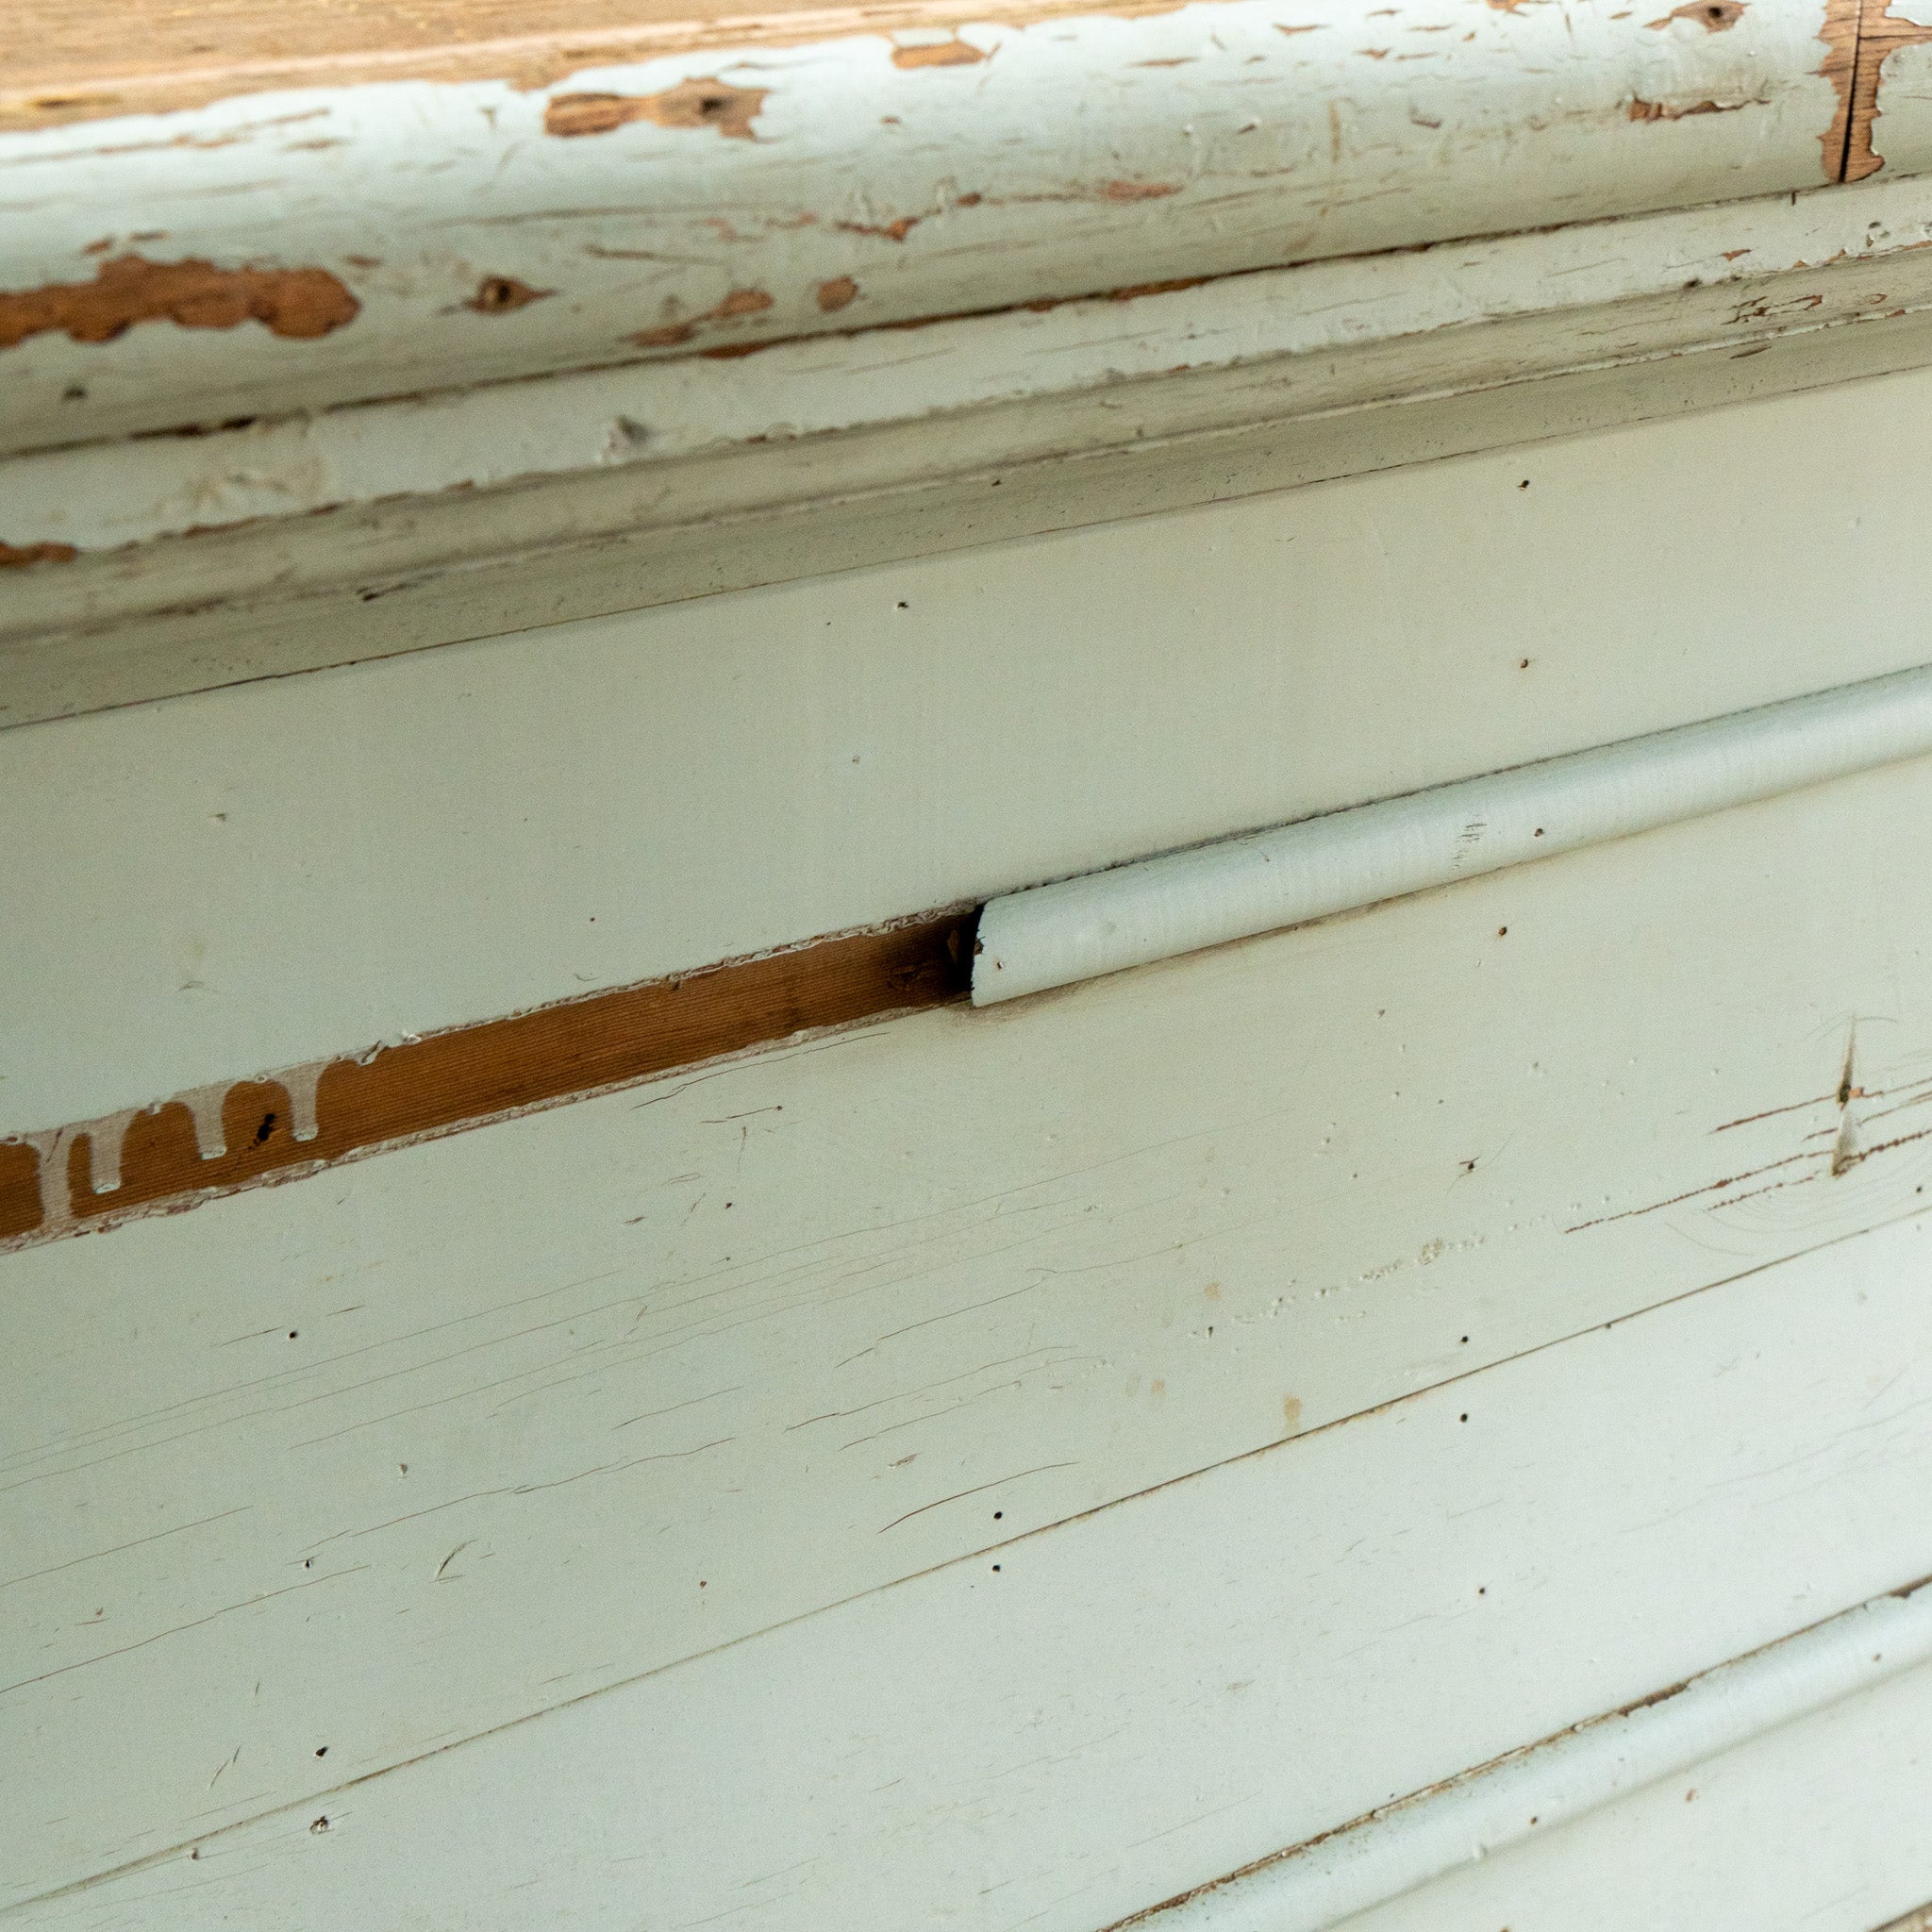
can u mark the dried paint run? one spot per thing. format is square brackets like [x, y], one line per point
[186, 1149]
[707, 102]
[299, 303]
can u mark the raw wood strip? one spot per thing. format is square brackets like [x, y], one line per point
[472, 1073]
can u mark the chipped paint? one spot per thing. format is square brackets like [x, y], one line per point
[1660, 110]
[1880, 34]
[740, 302]
[297, 303]
[19, 555]
[74, 78]
[213, 1139]
[1230, 145]
[836, 294]
[953, 53]
[703, 102]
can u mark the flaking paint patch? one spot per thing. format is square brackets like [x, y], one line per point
[19, 556]
[953, 53]
[300, 304]
[1876, 37]
[209, 1141]
[834, 295]
[738, 302]
[72, 80]
[704, 102]
[1664, 110]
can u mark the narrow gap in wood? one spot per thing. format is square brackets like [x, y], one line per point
[197, 1145]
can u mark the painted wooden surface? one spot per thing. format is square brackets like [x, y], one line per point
[1160, 1689]
[1820, 1825]
[207, 890]
[479, 1428]
[314, 244]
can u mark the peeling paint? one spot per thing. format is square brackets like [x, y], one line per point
[1662, 110]
[705, 102]
[297, 303]
[72, 79]
[19, 556]
[836, 294]
[1877, 35]
[738, 302]
[953, 53]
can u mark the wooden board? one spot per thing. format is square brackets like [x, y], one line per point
[1817, 1828]
[1057, 1730]
[469, 1430]
[210, 890]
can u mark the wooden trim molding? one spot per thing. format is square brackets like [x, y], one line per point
[179, 1152]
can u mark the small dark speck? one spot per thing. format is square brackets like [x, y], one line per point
[1524, 484]
[701, 1583]
[322, 1750]
[292, 1333]
[1523, 663]
[1465, 1338]
[996, 1568]
[997, 1514]
[1538, 833]
[76, 393]
[1463, 1417]
[1502, 932]
[904, 606]
[319, 1824]
[1482, 1589]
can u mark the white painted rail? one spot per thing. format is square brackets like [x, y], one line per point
[1156, 908]
[1397, 1850]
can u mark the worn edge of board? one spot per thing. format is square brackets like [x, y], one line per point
[1271, 344]
[349, 581]
[215, 1139]
[348, 282]
[1402, 1846]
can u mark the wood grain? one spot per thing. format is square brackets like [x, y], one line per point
[471, 1074]
[65, 61]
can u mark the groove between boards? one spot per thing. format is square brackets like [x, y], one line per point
[179, 1152]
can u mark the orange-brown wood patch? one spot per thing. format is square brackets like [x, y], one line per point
[301, 302]
[473, 1073]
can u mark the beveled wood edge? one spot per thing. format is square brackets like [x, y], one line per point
[186, 1148]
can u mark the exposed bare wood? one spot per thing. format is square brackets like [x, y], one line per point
[190, 1147]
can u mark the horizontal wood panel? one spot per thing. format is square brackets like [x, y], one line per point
[1819, 1826]
[212, 890]
[309, 1118]
[579, 203]
[514, 1415]
[1056, 1731]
